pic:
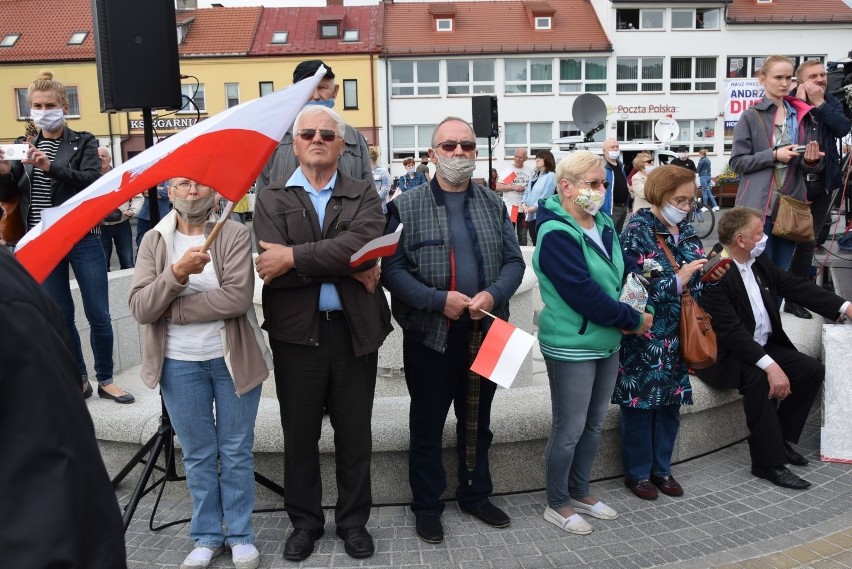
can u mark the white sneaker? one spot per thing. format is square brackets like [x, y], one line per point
[599, 510]
[572, 524]
[703, 209]
[716, 208]
[245, 556]
[201, 557]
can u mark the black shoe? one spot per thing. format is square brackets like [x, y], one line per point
[780, 476]
[88, 391]
[793, 457]
[126, 398]
[300, 544]
[429, 528]
[357, 541]
[796, 310]
[488, 513]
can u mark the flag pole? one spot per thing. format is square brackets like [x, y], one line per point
[226, 213]
[487, 313]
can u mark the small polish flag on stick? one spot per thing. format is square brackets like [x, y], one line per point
[502, 352]
[513, 212]
[383, 246]
[510, 178]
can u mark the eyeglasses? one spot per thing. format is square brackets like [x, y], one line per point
[595, 184]
[309, 134]
[450, 145]
[683, 203]
[184, 187]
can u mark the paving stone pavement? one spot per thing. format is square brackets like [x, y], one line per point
[727, 518]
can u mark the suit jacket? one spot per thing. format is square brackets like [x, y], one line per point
[733, 320]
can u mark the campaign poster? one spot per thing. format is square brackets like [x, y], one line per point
[740, 94]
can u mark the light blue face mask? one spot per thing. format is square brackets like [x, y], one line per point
[329, 103]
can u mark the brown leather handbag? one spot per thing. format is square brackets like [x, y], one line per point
[11, 226]
[697, 338]
[793, 221]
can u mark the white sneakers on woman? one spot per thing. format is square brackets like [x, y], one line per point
[244, 556]
[572, 524]
[599, 510]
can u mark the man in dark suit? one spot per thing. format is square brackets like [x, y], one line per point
[777, 382]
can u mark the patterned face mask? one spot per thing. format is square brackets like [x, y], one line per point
[589, 200]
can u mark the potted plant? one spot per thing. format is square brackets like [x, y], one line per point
[725, 186]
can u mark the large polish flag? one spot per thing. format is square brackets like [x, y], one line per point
[226, 151]
[502, 352]
[383, 246]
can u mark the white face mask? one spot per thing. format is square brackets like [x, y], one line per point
[410, 171]
[759, 247]
[672, 215]
[614, 154]
[650, 168]
[683, 155]
[48, 120]
[589, 200]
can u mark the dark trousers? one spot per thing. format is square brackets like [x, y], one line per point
[770, 422]
[123, 237]
[306, 377]
[619, 216]
[533, 231]
[803, 256]
[647, 440]
[521, 229]
[435, 381]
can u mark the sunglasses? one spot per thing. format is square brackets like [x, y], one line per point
[310, 133]
[449, 145]
[595, 184]
[649, 161]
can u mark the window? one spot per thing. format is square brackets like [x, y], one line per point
[470, 76]
[196, 93]
[634, 19]
[265, 87]
[642, 131]
[350, 94]
[77, 38]
[411, 140]
[532, 136]
[24, 104]
[697, 134]
[279, 37]
[328, 31]
[414, 78]
[232, 95]
[543, 23]
[529, 76]
[697, 19]
[351, 35]
[637, 74]
[444, 24]
[693, 73]
[578, 75]
[9, 40]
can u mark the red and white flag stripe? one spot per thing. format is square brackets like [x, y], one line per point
[226, 151]
[383, 246]
[502, 353]
[513, 212]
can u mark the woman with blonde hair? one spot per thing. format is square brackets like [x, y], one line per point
[644, 164]
[60, 163]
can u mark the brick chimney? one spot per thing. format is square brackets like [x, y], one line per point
[186, 4]
[334, 2]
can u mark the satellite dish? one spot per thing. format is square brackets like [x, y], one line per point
[589, 111]
[667, 130]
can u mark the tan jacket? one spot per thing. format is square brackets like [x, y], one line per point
[155, 289]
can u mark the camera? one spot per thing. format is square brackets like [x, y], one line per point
[15, 151]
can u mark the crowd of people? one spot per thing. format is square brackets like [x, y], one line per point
[322, 196]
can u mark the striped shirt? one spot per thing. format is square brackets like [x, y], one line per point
[40, 195]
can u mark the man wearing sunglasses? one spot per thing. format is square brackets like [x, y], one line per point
[355, 160]
[458, 258]
[326, 323]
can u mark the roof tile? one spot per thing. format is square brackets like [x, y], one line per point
[789, 11]
[219, 31]
[45, 29]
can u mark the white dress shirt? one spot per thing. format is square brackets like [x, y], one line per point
[762, 325]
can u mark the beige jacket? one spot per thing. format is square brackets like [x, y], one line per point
[638, 190]
[155, 289]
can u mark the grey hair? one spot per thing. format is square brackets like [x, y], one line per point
[451, 119]
[311, 110]
[576, 164]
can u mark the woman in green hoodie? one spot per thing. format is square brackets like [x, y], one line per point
[581, 271]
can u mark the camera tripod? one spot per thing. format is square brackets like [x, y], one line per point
[163, 441]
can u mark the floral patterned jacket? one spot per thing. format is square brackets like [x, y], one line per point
[652, 373]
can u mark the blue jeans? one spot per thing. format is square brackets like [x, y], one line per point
[87, 260]
[221, 502]
[647, 440]
[123, 237]
[579, 396]
[706, 192]
[778, 249]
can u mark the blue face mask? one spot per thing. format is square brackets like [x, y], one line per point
[329, 103]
